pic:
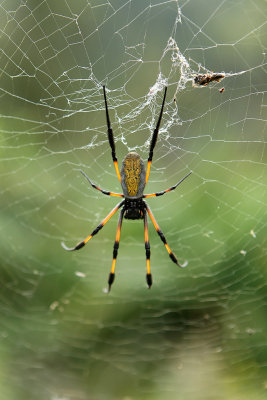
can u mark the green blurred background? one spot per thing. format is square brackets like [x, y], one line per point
[200, 332]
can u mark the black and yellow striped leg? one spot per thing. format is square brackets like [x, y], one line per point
[115, 250]
[155, 137]
[111, 138]
[108, 193]
[167, 190]
[161, 235]
[95, 231]
[147, 247]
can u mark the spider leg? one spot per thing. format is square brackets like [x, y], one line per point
[161, 235]
[167, 190]
[115, 250]
[147, 247]
[95, 231]
[98, 188]
[111, 138]
[155, 137]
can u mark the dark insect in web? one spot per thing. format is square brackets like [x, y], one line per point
[205, 79]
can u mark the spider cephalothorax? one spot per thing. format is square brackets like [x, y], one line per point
[133, 178]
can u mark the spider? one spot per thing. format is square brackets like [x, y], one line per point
[133, 177]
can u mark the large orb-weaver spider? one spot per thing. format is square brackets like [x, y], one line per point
[133, 178]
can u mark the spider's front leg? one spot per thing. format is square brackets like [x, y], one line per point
[115, 250]
[162, 237]
[95, 231]
[147, 247]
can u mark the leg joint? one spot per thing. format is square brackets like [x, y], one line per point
[97, 229]
[173, 258]
[162, 236]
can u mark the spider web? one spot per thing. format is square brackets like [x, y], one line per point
[200, 332]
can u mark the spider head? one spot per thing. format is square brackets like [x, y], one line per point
[134, 209]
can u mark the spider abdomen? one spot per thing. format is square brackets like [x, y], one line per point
[133, 176]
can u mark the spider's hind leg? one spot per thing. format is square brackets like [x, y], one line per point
[111, 138]
[155, 137]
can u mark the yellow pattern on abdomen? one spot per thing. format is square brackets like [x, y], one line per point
[132, 171]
